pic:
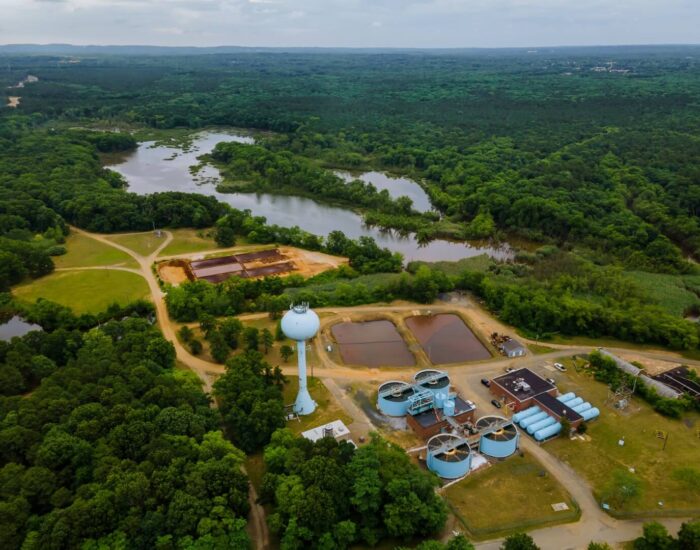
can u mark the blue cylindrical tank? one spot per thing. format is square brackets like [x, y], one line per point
[449, 408]
[450, 465]
[590, 414]
[541, 424]
[582, 407]
[498, 443]
[574, 402]
[525, 422]
[440, 399]
[566, 397]
[395, 401]
[517, 417]
[549, 431]
[440, 380]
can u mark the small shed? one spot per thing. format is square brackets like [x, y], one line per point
[512, 348]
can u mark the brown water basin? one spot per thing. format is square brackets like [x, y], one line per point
[446, 339]
[372, 343]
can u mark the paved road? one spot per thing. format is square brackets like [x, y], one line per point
[594, 523]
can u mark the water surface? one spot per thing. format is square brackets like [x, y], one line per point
[446, 339]
[372, 343]
[152, 169]
[396, 186]
[16, 326]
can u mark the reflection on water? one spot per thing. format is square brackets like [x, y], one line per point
[152, 169]
[396, 186]
[16, 326]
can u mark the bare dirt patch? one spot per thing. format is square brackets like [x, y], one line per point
[172, 273]
[13, 101]
[651, 366]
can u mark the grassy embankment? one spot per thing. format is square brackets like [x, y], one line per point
[509, 496]
[660, 472]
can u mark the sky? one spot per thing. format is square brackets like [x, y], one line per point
[351, 23]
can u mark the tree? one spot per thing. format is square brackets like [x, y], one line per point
[599, 546]
[655, 537]
[251, 335]
[689, 536]
[286, 352]
[565, 426]
[218, 347]
[267, 340]
[186, 334]
[519, 541]
[622, 487]
[279, 333]
[195, 347]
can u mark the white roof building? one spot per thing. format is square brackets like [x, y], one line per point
[336, 429]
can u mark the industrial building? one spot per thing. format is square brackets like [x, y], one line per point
[434, 419]
[543, 420]
[512, 348]
[336, 429]
[518, 389]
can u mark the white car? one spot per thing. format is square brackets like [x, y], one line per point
[560, 367]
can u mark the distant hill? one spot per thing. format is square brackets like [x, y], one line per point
[70, 49]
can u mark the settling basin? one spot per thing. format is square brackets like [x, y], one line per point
[372, 343]
[153, 169]
[445, 338]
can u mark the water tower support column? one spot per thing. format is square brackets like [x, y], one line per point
[304, 404]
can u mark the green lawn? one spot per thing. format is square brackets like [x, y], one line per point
[141, 243]
[539, 349]
[655, 468]
[510, 495]
[671, 292]
[328, 408]
[83, 251]
[188, 240]
[85, 291]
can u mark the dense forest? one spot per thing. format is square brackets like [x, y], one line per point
[113, 448]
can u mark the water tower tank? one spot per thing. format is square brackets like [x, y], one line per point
[449, 456]
[393, 398]
[300, 323]
[499, 436]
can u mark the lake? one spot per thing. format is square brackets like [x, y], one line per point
[396, 186]
[16, 326]
[152, 169]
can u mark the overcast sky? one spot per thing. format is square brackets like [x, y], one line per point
[352, 23]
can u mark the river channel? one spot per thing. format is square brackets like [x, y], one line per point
[152, 169]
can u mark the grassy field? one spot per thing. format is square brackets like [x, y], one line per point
[476, 263]
[83, 251]
[656, 469]
[327, 410]
[85, 291]
[671, 292]
[539, 349]
[509, 496]
[189, 240]
[141, 243]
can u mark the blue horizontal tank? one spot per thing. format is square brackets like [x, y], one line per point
[541, 424]
[582, 407]
[590, 414]
[517, 417]
[393, 398]
[499, 437]
[566, 397]
[574, 402]
[549, 431]
[525, 422]
[448, 456]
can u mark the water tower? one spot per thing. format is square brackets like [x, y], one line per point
[300, 323]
